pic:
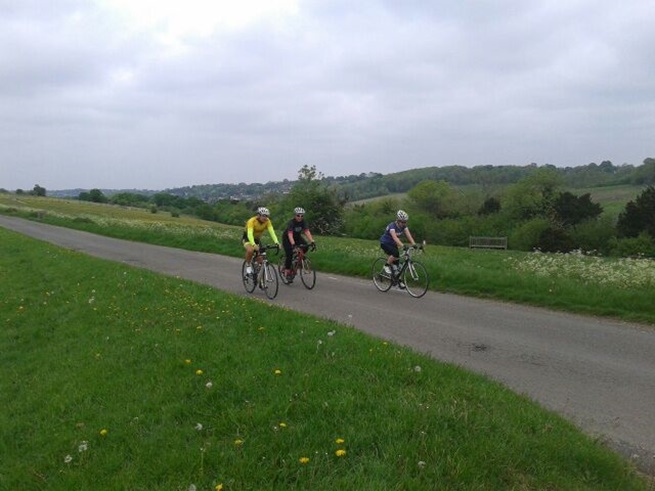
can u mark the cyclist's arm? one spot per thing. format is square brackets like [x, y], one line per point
[271, 232]
[408, 234]
[250, 232]
[308, 234]
[396, 239]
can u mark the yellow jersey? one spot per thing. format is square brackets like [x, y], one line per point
[255, 229]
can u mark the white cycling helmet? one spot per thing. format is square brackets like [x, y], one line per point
[299, 211]
[402, 216]
[263, 211]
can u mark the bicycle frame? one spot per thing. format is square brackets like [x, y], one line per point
[298, 256]
[410, 275]
[301, 266]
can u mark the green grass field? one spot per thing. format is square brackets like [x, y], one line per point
[118, 378]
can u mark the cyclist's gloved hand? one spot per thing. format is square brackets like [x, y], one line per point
[255, 247]
[313, 245]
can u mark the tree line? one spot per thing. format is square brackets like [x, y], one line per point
[533, 206]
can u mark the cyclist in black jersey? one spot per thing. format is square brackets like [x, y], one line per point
[292, 237]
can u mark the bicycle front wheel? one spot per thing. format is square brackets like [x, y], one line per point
[416, 279]
[269, 281]
[381, 279]
[249, 282]
[307, 273]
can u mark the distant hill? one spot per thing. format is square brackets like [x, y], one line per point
[371, 185]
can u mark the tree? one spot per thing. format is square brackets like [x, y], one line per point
[490, 206]
[38, 190]
[570, 210]
[639, 215]
[435, 198]
[533, 195]
[645, 174]
[322, 204]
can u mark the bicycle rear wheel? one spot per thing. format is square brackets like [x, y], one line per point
[381, 279]
[268, 281]
[307, 273]
[249, 282]
[416, 279]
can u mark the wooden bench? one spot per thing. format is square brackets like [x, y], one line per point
[488, 242]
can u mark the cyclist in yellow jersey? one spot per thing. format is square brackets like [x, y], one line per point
[255, 227]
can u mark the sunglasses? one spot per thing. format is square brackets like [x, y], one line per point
[299, 216]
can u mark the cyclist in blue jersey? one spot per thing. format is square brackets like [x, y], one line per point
[391, 244]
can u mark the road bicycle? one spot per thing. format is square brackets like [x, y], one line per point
[301, 266]
[263, 273]
[410, 275]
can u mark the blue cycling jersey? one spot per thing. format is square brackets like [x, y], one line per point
[386, 236]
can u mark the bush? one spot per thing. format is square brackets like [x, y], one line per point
[526, 236]
[594, 235]
[640, 246]
[555, 239]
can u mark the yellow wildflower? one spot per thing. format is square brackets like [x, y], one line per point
[340, 453]
[304, 460]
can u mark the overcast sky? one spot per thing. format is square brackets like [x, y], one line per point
[156, 94]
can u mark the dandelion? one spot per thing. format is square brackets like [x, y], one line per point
[187, 361]
[83, 446]
[219, 487]
[304, 460]
[238, 442]
[68, 459]
[198, 426]
[103, 432]
[199, 372]
[278, 372]
[417, 368]
[283, 425]
[340, 453]
[339, 441]
[209, 384]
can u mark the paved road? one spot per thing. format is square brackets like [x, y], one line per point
[598, 373]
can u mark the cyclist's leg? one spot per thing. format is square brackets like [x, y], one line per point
[392, 255]
[288, 253]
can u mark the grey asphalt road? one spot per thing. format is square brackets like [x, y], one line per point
[598, 373]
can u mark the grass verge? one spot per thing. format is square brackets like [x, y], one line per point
[118, 378]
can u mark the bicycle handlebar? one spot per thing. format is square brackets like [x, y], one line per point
[415, 247]
[263, 248]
